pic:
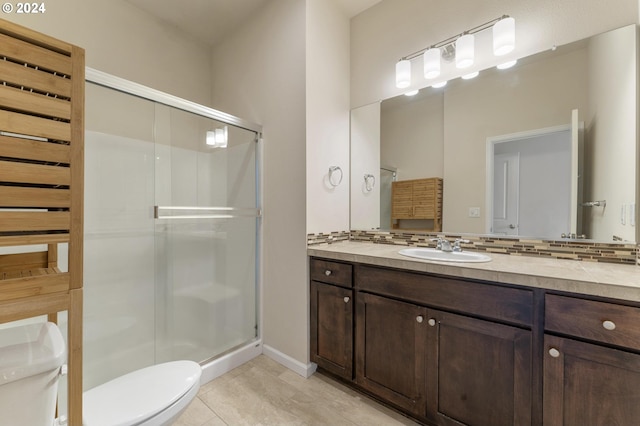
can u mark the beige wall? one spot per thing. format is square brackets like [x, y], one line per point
[124, 41]
[327, 104]
[611, 134]
[411, 137]
[365, 152]
[259, 74]
[475, 112]
[381, 35]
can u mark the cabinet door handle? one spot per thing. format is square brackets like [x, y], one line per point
[419, 318]
[431, 322]
[554, 352]
[346, 299]
[609, 325]
[327, 272]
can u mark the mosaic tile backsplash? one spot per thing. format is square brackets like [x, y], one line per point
[560, 249]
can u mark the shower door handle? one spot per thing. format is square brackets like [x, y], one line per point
[194, 212]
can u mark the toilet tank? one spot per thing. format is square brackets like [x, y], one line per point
[30, 360]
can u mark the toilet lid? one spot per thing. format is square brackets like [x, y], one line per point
[139, 395]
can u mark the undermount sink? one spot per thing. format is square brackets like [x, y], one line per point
[445, 256]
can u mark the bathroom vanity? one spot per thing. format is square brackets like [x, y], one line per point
[518, 340]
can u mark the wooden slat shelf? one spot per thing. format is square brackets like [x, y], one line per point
[34, 282]
[42, 186]
[28, 273]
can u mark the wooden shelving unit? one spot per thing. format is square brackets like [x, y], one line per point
[415, 201]
[41, 185]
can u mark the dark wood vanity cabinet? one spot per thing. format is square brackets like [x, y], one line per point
[443, 367]
[591, 362]
[453, 351]
[331, 303]
[391, 341]
[446, 368]
[478, 372]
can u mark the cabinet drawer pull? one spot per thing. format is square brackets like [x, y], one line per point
[327, 272]
[609, 325]
[554, 352]
[431, 322]
[419, 318]
[346, 299]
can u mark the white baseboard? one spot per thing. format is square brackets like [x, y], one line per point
[305, 370]
[228, 362]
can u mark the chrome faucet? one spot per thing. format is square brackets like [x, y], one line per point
[442, 244]
[456, 244]
[445, 245]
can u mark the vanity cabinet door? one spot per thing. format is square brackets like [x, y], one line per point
[478, 372]
[390, 350]
[589, 385]
[332, 328]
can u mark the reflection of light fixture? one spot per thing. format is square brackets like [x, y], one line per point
[218, 138]
[507, 65]
[504, 36]
[403, 74]
[439, 85]
[412, 92]
[470, 75]
[465, 51]
[461, 46]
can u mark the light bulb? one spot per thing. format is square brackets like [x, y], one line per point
[507, 65]
[432, 63]
[504, 36]
[403, 74]
[465, 51]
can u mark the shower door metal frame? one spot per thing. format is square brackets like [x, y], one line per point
[101, 78]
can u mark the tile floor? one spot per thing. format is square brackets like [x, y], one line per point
[263, 392]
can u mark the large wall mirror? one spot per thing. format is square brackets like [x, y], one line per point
[545, 149]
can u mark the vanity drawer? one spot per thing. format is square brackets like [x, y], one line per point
[330, 272]
[604, 322]
[508, 304]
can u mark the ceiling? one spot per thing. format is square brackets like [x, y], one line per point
[209, 20]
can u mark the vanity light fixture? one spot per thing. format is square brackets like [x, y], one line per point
[471, 75]
[465, 49]
[439, 85]
[218, 138]
[504, 36]
[411, 92]
[431, 63]
[461, 47]
[403, 74]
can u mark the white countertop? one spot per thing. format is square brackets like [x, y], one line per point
[593, 278]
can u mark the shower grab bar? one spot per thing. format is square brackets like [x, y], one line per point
[219, 212]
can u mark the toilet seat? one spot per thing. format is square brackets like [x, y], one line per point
[140, 395]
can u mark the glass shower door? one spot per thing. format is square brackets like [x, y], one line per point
[206, 219]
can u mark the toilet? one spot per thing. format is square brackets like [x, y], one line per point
[152, 396]
[32, 359]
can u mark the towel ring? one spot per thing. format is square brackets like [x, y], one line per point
[333, 170]
[369, 182]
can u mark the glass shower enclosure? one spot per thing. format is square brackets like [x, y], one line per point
[172, 231]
